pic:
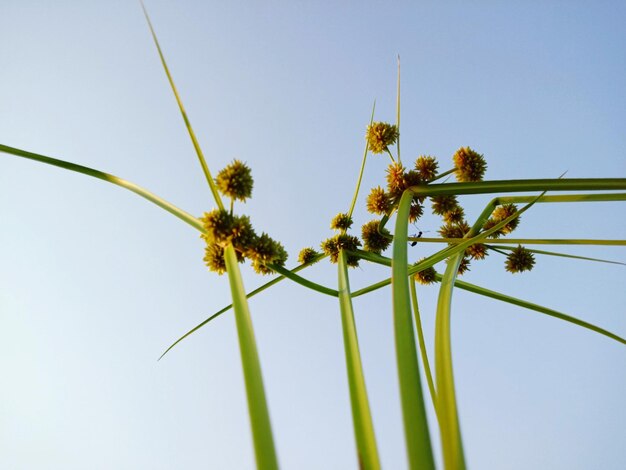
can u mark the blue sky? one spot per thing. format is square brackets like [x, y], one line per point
[95, 282]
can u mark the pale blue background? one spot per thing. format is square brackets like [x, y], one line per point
[95, 282]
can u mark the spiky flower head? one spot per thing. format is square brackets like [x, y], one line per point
[214, 258]
[477, 251]
[373, 240]
[454, 216]
[342, 241]
[464, 266]
[444, 203]
[244, 235]
[396, 183]
[307, 255]
[499, 214]
[378, 201]
[426, 166]
[469, 165]
[235, 181]
[264, 251]
[425, 276]
[415, 211]
[341, 222]
[219, 226]
[380, 135]
[454, 230]
[519, 260]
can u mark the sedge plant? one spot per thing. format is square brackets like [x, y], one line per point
[231, 239]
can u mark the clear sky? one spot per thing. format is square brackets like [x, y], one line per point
[96, 282]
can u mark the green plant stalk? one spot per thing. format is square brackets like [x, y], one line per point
[422, 343]
[449, 428]
[512, 186]
[302, 281]
[257, 405]
[411, 397]
[398, 111]
[358, 183]
[527, 241]
[361, 416]
[192, 134]
[501, 249]
[144, 193]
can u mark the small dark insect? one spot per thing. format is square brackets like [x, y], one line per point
[413, 243]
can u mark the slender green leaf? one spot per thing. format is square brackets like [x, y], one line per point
[144, 193]
[302, 281]
[358, 183]
[527, 241]
[411, 397]
[361, 416]
[553, 253]
[531, 306]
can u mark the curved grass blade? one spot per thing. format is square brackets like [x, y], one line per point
[302, 281]
[531, 306]
[361, 416]
[256, 291]
[257, 404]
[144, 193]
[422, 343]
[398, 111]
[411, 397]
[192, 135]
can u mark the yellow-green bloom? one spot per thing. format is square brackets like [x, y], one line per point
[373, 240]
[341, 222]
[469, 165]
[332, 246]
[307, 255]
[425, 276]
[378, 201]
[519, 260]
[380, 135]
[235, 181]
[426, 166]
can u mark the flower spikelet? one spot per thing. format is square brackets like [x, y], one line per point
[219, 226]
[464, 266]
[373, 240]
[426, 166]
[454, 230]
[396, 183]
[265, 251]
[469, 165]
[333, 245]
[235, 181]
[503, 212]
[214, 258]
[307, 255]
[244, 235]
[519, 260]
[416, 210]
[444, 203]
[341, 222]
[378, 201]
[454, 216]
[425, 276]
[477, 251]
[380, 135]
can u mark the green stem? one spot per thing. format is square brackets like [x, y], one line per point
[422, 343]
[442, 175]
[358, 183]
[527, 241]
[411, 396]
[449, 428]
[361, 416]
[398, 111]
[257, 405]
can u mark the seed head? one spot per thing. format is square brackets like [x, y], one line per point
[341, 222]
[378, 201]
[519, 260]
[501, 213]
[373, 240]
[469, 165]
[416, 210]
[426, 276]
[464, 266]
[264, 251]
[342, 241]
[396, 183]
[426, 166]
[454, 230]
[219, 226]
[214, 258]
[444, 203]
[380, 135]
[235, 181]
[244, 235]
[307, 255]
[477, 251]
[454, 216]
